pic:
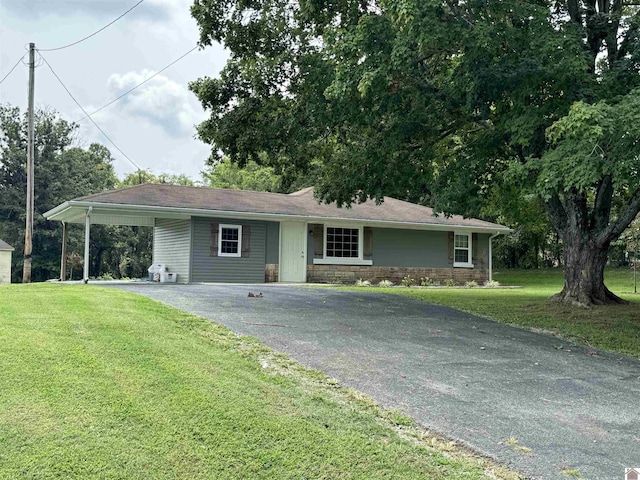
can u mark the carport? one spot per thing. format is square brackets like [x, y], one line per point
[91, 213]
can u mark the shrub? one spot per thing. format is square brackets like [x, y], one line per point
[426, 282]
[362, 283]
[407, 281]
[385, 283]
[449, 282]
[491, 284]
[105, 276]
[471, 284]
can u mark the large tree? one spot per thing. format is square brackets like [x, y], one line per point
[437, 101]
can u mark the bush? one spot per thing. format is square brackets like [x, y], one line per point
[407, 281]
[363, 283]
[426, 282]
[491, 284]
[471, 284]
[385, 283]
[449, 282]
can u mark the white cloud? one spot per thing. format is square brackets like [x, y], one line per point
[161, 101]
[154, 125]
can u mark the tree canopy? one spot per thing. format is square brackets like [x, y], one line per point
[226, 174]
[440, 101]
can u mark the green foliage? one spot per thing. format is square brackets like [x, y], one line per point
[252, 176]
[631, 237]
[145, 176]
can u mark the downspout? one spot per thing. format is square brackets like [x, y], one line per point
[87, 227]
[495, 235]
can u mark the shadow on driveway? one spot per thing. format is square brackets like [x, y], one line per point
[473, 380]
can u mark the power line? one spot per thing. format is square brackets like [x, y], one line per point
[12, 69]
[94, 33]
[140, 84]
[133, 88]
[88, 116]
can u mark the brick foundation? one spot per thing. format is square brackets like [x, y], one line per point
[271, 273]
[348, 274]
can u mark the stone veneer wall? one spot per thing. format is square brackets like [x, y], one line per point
[271, 272]
[350, 273]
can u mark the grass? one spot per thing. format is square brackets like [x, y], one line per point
[101, 383]
[610, 328]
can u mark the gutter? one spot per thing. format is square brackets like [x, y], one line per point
[189, 212]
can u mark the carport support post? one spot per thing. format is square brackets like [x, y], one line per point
[63, 258]
[87, 230]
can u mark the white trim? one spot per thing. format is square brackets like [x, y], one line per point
[469, 249]
[229, 227]
[341, 261]
[87, 240]
[344, 260]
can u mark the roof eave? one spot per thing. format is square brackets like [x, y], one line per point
[158, 211]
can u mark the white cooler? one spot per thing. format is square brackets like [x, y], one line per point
[168, 277]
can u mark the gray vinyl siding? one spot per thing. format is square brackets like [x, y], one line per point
[273, 242]
[410, 248]
[482, 260]
[172, 246]
[207, 268]
[403, 248]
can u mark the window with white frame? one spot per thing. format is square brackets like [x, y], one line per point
[229, 242]
[342, 242]
[462, 250]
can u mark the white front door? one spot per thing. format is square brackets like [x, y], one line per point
[293, 252]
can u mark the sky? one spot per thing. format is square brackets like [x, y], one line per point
[154, 125]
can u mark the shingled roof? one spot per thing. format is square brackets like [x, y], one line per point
[301, 204]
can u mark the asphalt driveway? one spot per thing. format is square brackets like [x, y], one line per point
[473, 380]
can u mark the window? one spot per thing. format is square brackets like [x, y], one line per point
[462, 250]
[343, 242]
[229, 243]
[341, 245]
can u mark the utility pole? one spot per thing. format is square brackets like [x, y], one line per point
[28, 234]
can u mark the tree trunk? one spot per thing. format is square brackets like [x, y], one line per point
[584, 263]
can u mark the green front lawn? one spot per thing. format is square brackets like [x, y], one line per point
[100, 383]
[611, 328]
